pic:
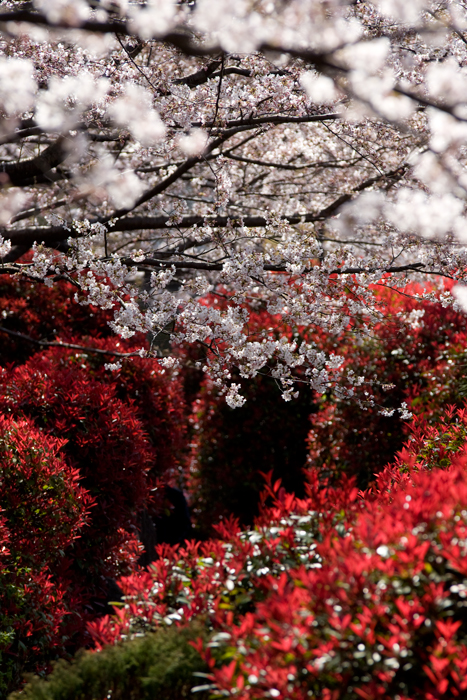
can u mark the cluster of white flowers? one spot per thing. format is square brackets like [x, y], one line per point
[107, 182]
[319, 88]
[61, 105]
[113, 366]
[42, 263]
[5, 247]
[71, 12]
[193, 143]
[134, 111]
[11, 202]
[251, 186]
[405, 414]
[233, 397]
[17, 85]
[155, 18]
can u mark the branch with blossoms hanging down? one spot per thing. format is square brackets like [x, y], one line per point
[290, 157]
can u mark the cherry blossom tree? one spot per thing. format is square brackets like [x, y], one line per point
[287, 156]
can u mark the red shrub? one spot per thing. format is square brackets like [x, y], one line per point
[121, 435]
[331, 596]
[184, 583]
[44, 313]
[43, 510]
[41, 500]
[383, 615]
[156, 399]
[105, 442]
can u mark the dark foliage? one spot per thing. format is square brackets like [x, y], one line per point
[159, 665]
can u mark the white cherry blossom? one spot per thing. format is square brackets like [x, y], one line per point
[200, 166]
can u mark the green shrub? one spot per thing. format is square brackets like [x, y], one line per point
[159, 665]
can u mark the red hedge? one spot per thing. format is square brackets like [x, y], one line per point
[44, 509]
[331, 596]
[121, 435]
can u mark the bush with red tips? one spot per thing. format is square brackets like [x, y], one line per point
[332, 595]
[120, 434]
[44, 510]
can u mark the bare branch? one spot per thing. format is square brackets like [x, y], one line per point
[61, 344]
[218, 267]
[200, 77]
[35, 170]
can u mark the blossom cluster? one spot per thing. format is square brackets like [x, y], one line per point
[295, 154]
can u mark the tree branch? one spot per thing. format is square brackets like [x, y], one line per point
[35, 170]
[233, 127]
[200, 77]
[253, 122]
[54, 234]
[21, 134]
[287, 166]
[71, 346]
[218, 267]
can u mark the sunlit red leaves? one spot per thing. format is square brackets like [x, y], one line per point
[377, 613]
[371, 610]
[44, 510]
[41, 498]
